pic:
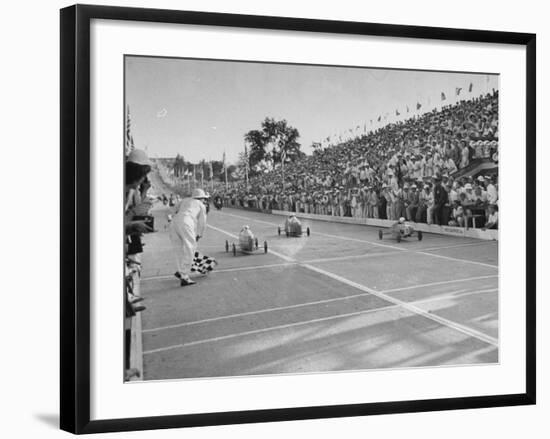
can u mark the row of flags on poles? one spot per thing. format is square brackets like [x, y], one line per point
[384, 117]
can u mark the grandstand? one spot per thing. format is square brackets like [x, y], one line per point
[458, 143]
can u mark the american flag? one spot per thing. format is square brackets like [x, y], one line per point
[129, 139]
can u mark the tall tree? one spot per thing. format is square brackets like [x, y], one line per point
[257, 140]
[271, 140]
[178, 165]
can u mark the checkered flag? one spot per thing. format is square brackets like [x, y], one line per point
[202, 263]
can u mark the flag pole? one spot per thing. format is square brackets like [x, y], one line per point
[225, 170]
[211, 176]
[246, 165]
[283, 169]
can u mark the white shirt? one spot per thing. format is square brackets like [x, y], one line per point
[493, 218]
[192, 209]
[492, 194]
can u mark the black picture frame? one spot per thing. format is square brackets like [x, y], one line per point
[75, 217]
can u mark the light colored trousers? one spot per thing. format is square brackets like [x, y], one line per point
[372, 211]
[430, 215]
[183, 237]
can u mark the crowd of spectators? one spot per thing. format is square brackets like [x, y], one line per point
[406, 169]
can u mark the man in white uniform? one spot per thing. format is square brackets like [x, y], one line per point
[186, 228]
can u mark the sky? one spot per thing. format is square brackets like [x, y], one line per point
[201, 108]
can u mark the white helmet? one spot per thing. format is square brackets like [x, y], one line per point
[198, 193]
[401, 220]
[139, 157]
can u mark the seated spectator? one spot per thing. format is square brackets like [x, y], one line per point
[457, 216]
[492, 220]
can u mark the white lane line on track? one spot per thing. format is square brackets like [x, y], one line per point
[345, 258]
[260, 331]
[420, 251]
[308, 261]
[409, 307]
[468, 244]
[412, 308]
[224, 270]
[457, 259]
[459, 293]
[444, 282]
[388, 253]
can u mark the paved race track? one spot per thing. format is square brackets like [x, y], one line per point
[338, 300]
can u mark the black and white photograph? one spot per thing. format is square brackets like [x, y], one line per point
[288, 218]
[275, 219]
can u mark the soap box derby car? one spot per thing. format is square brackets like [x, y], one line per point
[400, 230]
[248, 243]
[293, 227]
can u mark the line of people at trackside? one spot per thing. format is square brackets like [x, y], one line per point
[353, 178]
[136, 222]
[187, 225]
[464, 202]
